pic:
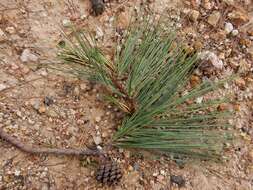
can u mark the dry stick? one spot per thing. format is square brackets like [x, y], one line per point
[20, 84]
[38, 150]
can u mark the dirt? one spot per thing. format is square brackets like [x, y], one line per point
[77, 116]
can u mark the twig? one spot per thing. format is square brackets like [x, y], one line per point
[54, 164]
[38, 150]
[20, 84]
[5, 8]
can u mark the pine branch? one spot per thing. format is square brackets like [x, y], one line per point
[148, 75]
[39, 150]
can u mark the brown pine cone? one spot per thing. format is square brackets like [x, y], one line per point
[109, 173]
[98, 6]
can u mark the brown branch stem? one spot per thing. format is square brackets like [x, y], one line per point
[39, 150]
[130, 102]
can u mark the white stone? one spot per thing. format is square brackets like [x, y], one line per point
[84, 16]
[207, 5]
[19, 114]
[2, 36]
[214, 59]
[27, 55]
[162, 172]
[98, 119]
[99, 147]
[66, 23]
[235, 32]
[155, 174]
[228, 27]
[186, 11]
[35, 104]
[42, 72]
[17, 172]
[226, 85]
[199, 100]
[198, 2]
[111, 20]
[217, 63]
[83, 86]
[10, 30]
[121, 150]
[1, 32]
[2, 87]
[99, 33]
[194, 15]
[96, 127]
[97, 140]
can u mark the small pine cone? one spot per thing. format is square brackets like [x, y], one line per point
[109, 173]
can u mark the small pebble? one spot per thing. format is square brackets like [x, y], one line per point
[194, 15]
[98, 119]
[228, 27]
[17, 172]
[2, 87]
[97, 140]
[136, 166]
[84, 16]
[130, 168]
[35, 104]
[10, 30]
[51, 113]
[83, 86]
[162, 172]
[42, 109]
[212, 57]
[48, 100]
[179, 180]
[27, 56]
[199, 100]
[235, 32]
[214, 18]
[96, 127]
[19, 114]
[207, 5]
[155, 174]
[160, 178]
[2, 36]
[99, 33]
[66, 23]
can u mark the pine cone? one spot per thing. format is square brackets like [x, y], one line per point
[109, 173]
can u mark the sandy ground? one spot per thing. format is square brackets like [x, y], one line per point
[76, 116]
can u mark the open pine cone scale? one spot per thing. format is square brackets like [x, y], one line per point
[109, 173]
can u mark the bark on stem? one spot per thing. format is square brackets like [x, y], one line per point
[128, 100]
[38, 150]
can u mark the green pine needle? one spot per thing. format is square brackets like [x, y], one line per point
[145, 81]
